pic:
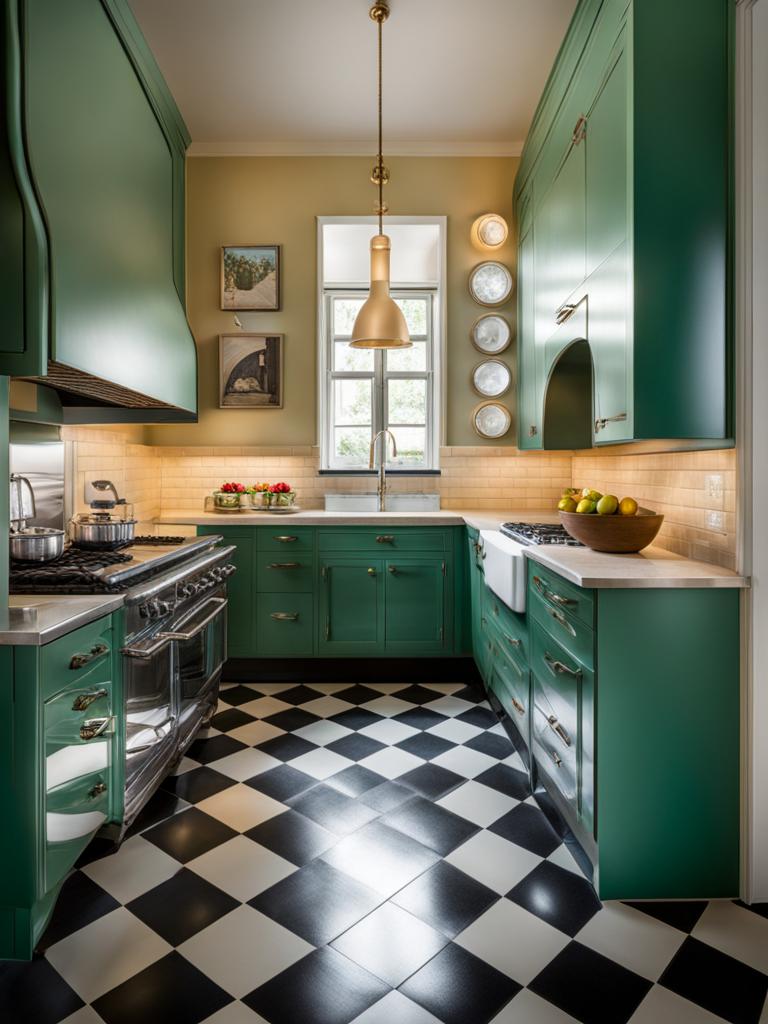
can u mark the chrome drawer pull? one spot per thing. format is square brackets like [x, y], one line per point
[94, 727]
[558, 668]
[284, 565]
[559, 617]
[385, 538]
[285, 616]
[84, 700]
[557, 728]
[555, 758]
[81, 660]
[285, 539]
[564, 313]
[550, 594]
[602, 423]
[511, 640]
[392, 569]
[518, 706]
[98, 789]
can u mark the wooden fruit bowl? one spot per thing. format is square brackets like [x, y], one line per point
[615, 534]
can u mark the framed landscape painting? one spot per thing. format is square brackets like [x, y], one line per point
[250, 371]
[250, 277]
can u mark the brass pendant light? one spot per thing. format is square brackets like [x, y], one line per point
[380, 322]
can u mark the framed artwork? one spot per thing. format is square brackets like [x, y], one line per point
[250, 277]
[250, 371]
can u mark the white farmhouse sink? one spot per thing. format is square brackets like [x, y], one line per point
[402, 501]
[504, 568]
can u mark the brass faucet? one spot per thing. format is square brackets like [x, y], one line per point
[382, 488]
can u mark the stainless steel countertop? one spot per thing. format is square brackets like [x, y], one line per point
[36, 619]
[654, 567]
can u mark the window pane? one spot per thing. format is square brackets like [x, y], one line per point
[352, 402]
[351, 444]
[405, 359]
[356, 359]
[415, 313]
[407, 401]
[344, 313]
[411, 443]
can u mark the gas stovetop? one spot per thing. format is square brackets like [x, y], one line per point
[539, 533]
[88, 571]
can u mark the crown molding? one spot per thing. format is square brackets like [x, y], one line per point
[355, 148]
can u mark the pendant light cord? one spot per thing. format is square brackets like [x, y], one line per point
[380, 23]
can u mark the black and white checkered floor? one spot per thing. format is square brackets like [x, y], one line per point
[371, 854]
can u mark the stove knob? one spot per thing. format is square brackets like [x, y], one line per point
[153, 609]
[189, 589]
[228, 570]
[143, 611]
[163, 608]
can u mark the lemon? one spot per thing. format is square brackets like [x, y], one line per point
[627, 507]
[608, 505]
[585, 506]
[567, 504]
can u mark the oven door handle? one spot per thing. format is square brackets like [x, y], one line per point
[163, 639]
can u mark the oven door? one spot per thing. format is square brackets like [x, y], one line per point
[201, 638]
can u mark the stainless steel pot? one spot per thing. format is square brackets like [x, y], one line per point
[101, 531]
[36, 544]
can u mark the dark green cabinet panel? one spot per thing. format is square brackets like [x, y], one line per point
[414, 597]
[629, 212]
[351, 605]
[285, 625]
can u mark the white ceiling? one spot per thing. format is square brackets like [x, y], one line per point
[298, 76]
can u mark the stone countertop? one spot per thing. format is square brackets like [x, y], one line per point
[36, 619]
[655, 567]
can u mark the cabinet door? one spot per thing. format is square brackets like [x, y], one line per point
[529, 382]
[351, 606]
[560, 240]
[241, 621]
[414, 602]
[610, 340]
[606, 163]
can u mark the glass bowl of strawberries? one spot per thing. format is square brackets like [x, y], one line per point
[229, 496]
[281, 495]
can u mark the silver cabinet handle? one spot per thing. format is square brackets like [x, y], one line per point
[561, 619]
[78, 661]
[385, 538]
[602, 422]
[518, 706]
[559, 668]
[163, 639]
[94, 727]
[557, 760]
[97, 790]
[392, 569]
[512, 641]
[580, 130]
[558, 729]
[284, 565]
[565, 312]
[285, 616]
[285, 539]
[550, 594]
[84, 700]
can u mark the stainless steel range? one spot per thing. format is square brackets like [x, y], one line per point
[539, 533]
[173, 646]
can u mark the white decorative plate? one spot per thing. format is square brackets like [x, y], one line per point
[491, 378]
[490, 283]
[491, 419]
[491, 334]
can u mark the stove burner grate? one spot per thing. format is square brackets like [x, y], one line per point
[540, 533]
[74, 572]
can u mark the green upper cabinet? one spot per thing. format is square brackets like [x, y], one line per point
[625, 184]
[92, 179]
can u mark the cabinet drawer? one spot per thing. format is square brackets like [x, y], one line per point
[286, 575]
[73, 813]
[514, 703]
[511, 626]
[384, 540]
[81, 658]
[570, 632]
[560, 594]
[284, 624]
[286, 541]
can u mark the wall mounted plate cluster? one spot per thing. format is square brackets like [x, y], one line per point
[491, 334]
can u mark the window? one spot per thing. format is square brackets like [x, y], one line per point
[363, 391]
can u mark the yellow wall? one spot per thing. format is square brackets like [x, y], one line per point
[275, 200]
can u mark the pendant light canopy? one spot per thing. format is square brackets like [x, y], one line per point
[380, 322]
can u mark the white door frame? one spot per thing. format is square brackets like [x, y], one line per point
[751, 274]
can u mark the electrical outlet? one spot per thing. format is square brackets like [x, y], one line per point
[716, 521]
[714, 490]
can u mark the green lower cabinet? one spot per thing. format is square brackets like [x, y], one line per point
[285, 625]
[414, 605]
[351, 606]
[60, 770]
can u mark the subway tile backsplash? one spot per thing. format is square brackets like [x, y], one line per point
[163, 480]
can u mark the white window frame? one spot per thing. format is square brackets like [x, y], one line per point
[435, 373]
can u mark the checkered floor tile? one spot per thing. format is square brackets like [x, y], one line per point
[332, 854]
